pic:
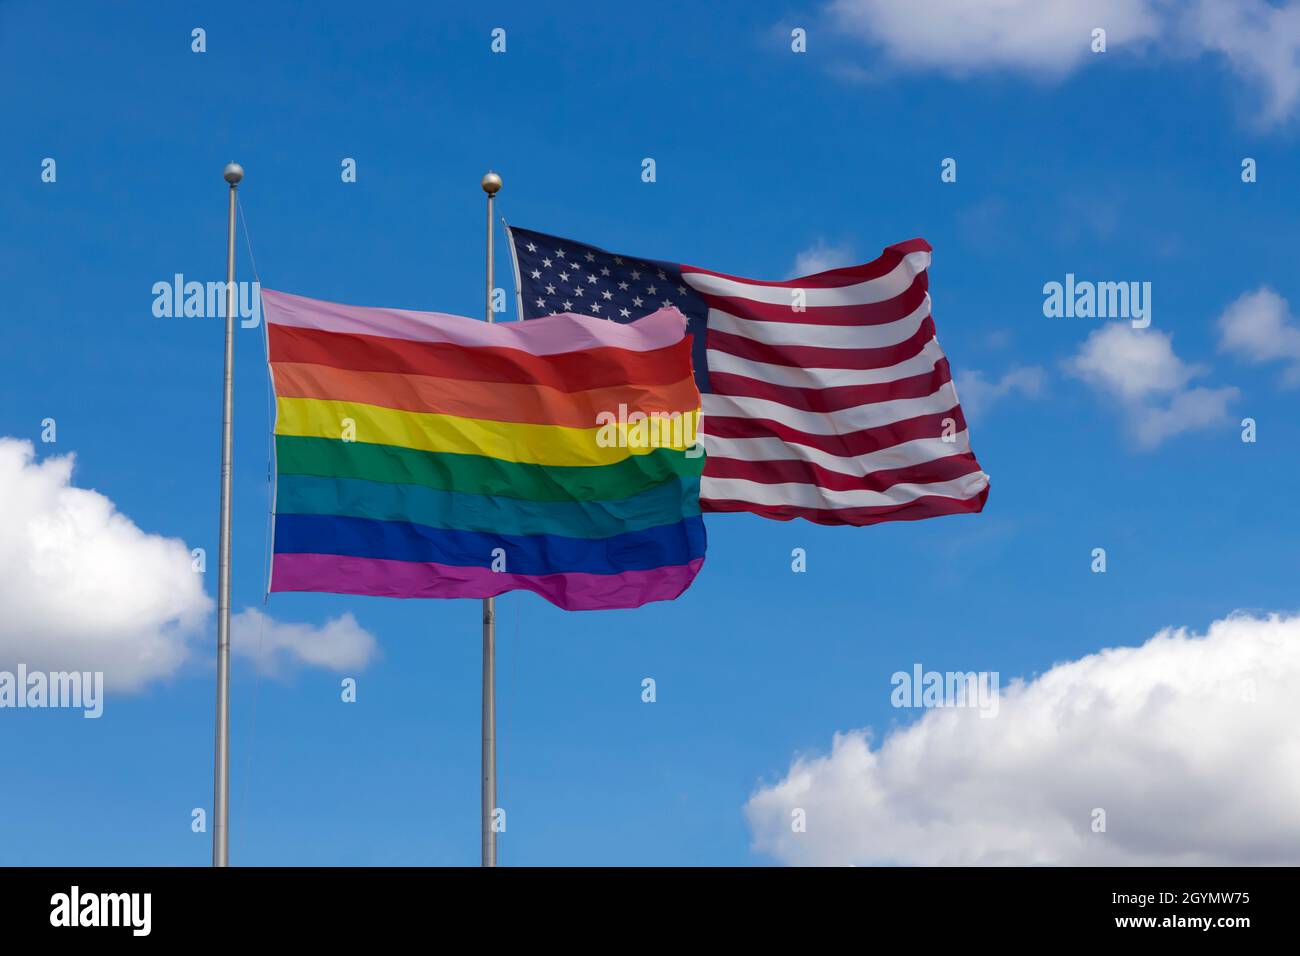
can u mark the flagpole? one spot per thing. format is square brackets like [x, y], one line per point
[491, 183]
[233, 173]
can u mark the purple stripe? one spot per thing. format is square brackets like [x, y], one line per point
[379, 577]
[550, 335]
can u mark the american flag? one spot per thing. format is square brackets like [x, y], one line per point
[825, 397]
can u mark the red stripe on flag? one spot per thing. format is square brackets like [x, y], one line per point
[810, 356]
[832, 399]
[874, 313]
[930, 506]
[846, 445]
[805, 472]
[569, 372]
[835, 278]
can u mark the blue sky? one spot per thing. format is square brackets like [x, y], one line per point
[1117, 166]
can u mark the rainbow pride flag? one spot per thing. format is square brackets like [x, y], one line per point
[436, 456]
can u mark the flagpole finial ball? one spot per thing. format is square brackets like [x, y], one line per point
[491, 183]
[233, 173]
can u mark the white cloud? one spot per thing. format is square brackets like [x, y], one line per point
[821, 257]
[1190, 744]
[978, 394]
[1258, 40]
[1132, 363]
[83, 588]
[960, 36]
[1259, 327]
[1188, 410]
[340, 644]
[1139, 369]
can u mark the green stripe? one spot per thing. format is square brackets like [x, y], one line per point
[478, 475]
[662, 505]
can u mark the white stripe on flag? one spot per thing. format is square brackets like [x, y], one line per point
[852, 419]
[822, 336]
[769, 448]
[791, 376]
[811, 496]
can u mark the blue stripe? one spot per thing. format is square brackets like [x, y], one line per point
[666, 545]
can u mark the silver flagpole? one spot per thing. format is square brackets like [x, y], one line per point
[221, 799]
[491, 183]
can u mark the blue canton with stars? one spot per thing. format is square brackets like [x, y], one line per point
[560, 275]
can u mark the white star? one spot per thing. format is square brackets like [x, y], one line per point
[568, 306]
[666, 303]
[592, 279]
[559, 253]
[564, 277]
[541, 303]
[623, 286]
[575, 265]
[550, 290]
[637, 301]
[635, 275]
[681, 290]
[607, 295]
[531, 247]
[618, 260]
[546, 263]
[578, 291]
[537, 273]
[590, 257]
[595, 307]
[605, 271]
[661, 274]
[624, 312]
[651, 290]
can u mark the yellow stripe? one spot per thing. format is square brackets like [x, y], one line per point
[510, 441]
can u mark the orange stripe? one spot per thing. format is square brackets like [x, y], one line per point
[493, 401]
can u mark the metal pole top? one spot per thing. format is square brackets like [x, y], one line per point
[491, 182]
[233, 173]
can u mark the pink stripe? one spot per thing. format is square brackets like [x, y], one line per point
[378, 577]
[550, 335]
